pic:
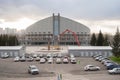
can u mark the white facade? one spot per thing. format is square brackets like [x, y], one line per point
[12, 51]
[87, 51]
[52, 27]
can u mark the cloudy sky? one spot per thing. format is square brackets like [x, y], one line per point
[96, 14]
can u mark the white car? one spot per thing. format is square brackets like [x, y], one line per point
[73, 60]
[59, 55]
[37, 58]
[91, 68]
[97, 58]
[114, 71]
[41, 55]
[5, 55]
[23, 59]
[35, 55]
[58, 60]
[33, 69]
[65, 60]
[42, 60]
[16, 59]
[54, 55]
[50, 60]
[49, 55]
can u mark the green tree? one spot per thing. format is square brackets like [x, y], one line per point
[106, 41]
[100, 39]
[8, 40]
[116, 44]
[93, 40]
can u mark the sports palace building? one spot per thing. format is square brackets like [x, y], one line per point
[57, 30]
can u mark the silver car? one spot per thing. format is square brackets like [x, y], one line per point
[58, 61]
[16, 59]
[33, 69]
[50, 60]
[91, 68]
[73, 60]
[114, 71]
[42, 60]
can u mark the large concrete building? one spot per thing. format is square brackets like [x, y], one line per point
[49, 29]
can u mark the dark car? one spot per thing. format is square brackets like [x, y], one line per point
[110, 67]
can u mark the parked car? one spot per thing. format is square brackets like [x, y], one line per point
[33, 69]
[107, 62]
[58, 60]
[59, 55]
[37, 59]
[41, 55]
[50, 60]
[114, 71]
[104, 61]
[5, 55]
[16, 59]
[22, 59]
[34, 55]
[49, 55]
[111, 63]
[103, 58]
[91, 68]
[73, 60]
[42, 60]
[54, 55]
[97, 58]
[110, 67]
[65, 61]
[29, 59]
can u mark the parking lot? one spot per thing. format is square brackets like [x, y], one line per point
[10, 70]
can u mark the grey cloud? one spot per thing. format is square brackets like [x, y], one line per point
[78, 9]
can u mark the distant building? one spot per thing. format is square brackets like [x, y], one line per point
[10, 31]
[49, 29]
[1, 31]
[12, 51]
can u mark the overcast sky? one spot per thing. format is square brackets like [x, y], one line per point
[96, 14]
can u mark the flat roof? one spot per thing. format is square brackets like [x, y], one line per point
[10, 47]
[89, 48]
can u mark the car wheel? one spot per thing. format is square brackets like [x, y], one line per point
[98, 69]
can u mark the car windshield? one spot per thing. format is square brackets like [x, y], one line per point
[91, 66]
[33, 68]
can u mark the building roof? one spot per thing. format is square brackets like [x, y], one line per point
[10, 47]
[46, 25]
[89, 48]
